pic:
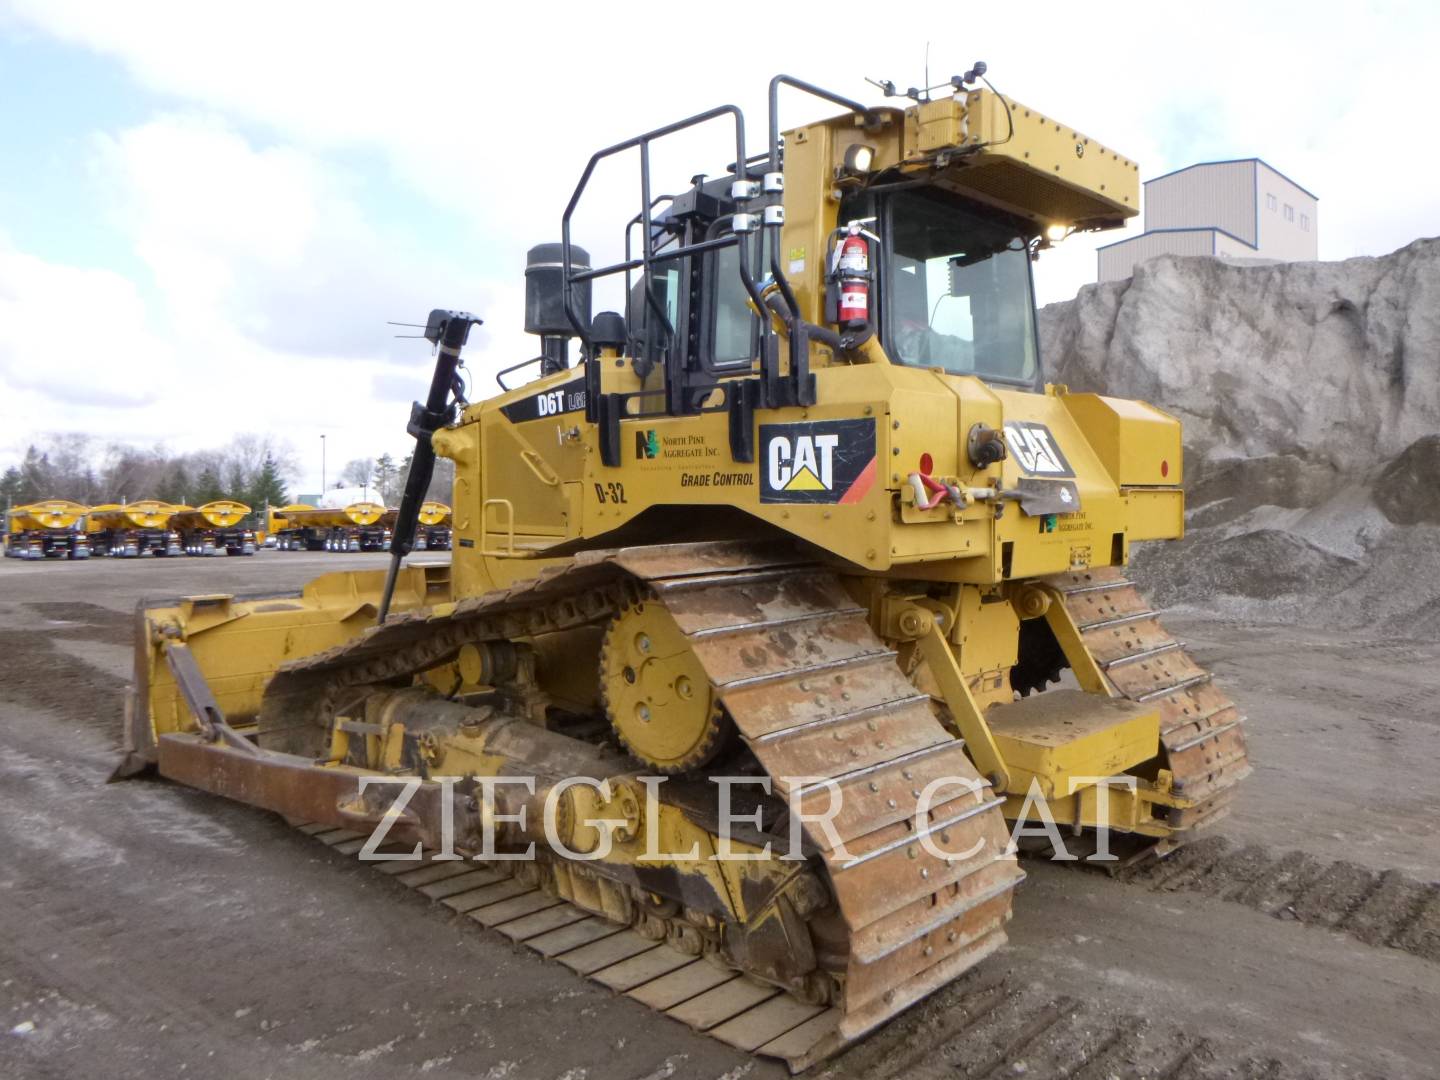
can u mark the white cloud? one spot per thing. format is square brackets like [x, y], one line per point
[493, 111]
[272, 281]
[207, 212]
[265, 306]
[266, 241]
[269, 289]
[63, 333]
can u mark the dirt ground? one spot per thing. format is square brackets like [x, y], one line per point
[151, 931]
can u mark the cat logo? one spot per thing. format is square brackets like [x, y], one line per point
[828, 461]
[808, 465]
[1035, 449]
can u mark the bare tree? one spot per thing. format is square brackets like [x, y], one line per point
[358, 472]
[387, 480]
[247, 453]
[442, 482]
[73, 465]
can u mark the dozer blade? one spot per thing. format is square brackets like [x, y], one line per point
[238, 643]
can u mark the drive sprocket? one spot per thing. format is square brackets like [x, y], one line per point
[656, 693]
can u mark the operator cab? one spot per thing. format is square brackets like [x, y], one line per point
[955, 288]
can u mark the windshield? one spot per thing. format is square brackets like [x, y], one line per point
[957, 290]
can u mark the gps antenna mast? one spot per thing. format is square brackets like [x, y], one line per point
[448, 330]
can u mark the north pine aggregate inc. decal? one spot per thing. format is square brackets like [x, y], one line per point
[820, 461]
[1035, 449]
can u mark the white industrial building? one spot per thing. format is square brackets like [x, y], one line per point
[1241, 210]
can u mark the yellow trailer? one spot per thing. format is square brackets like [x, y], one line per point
[133, 529]
[277, 522]
[48, 529]
[215, 527]
[433, 531]
[361, 526]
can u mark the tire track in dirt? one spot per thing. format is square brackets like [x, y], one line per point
[93, 622]
[985, 1027]
[1378, 908]
[42, 676]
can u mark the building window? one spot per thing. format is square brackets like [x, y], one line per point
[1289, 212]
[1305, 222]
[1270, 202]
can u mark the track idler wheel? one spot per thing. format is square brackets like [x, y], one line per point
[657, 696]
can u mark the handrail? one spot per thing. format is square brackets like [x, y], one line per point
[500, 375]
[799, 364]
[650, 301]
[509, 551]
[800, 386]
[697, 248]
[642, 142]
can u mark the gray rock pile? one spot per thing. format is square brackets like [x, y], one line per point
[1310, 395]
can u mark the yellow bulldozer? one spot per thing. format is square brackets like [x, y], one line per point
[741, 678]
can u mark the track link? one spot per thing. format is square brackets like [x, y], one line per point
[1201, 729]
[819, 700]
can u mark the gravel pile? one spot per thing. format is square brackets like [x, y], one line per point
[1310, 395]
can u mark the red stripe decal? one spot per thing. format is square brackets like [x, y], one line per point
[861, 487]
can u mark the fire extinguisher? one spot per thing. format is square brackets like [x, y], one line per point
[850, 271]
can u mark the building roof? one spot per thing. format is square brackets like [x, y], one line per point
[1236, 161]
[1186, 229]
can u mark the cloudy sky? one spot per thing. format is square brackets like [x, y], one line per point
[207, 213]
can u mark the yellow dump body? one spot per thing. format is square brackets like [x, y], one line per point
[360, 513]
[277, 519]
[52, 514]
[220, 514]
[144, 514]
[433, 512]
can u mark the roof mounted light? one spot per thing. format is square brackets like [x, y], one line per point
[858, 158]
[1056, 232]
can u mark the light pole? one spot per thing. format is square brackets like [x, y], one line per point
[322, 464]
